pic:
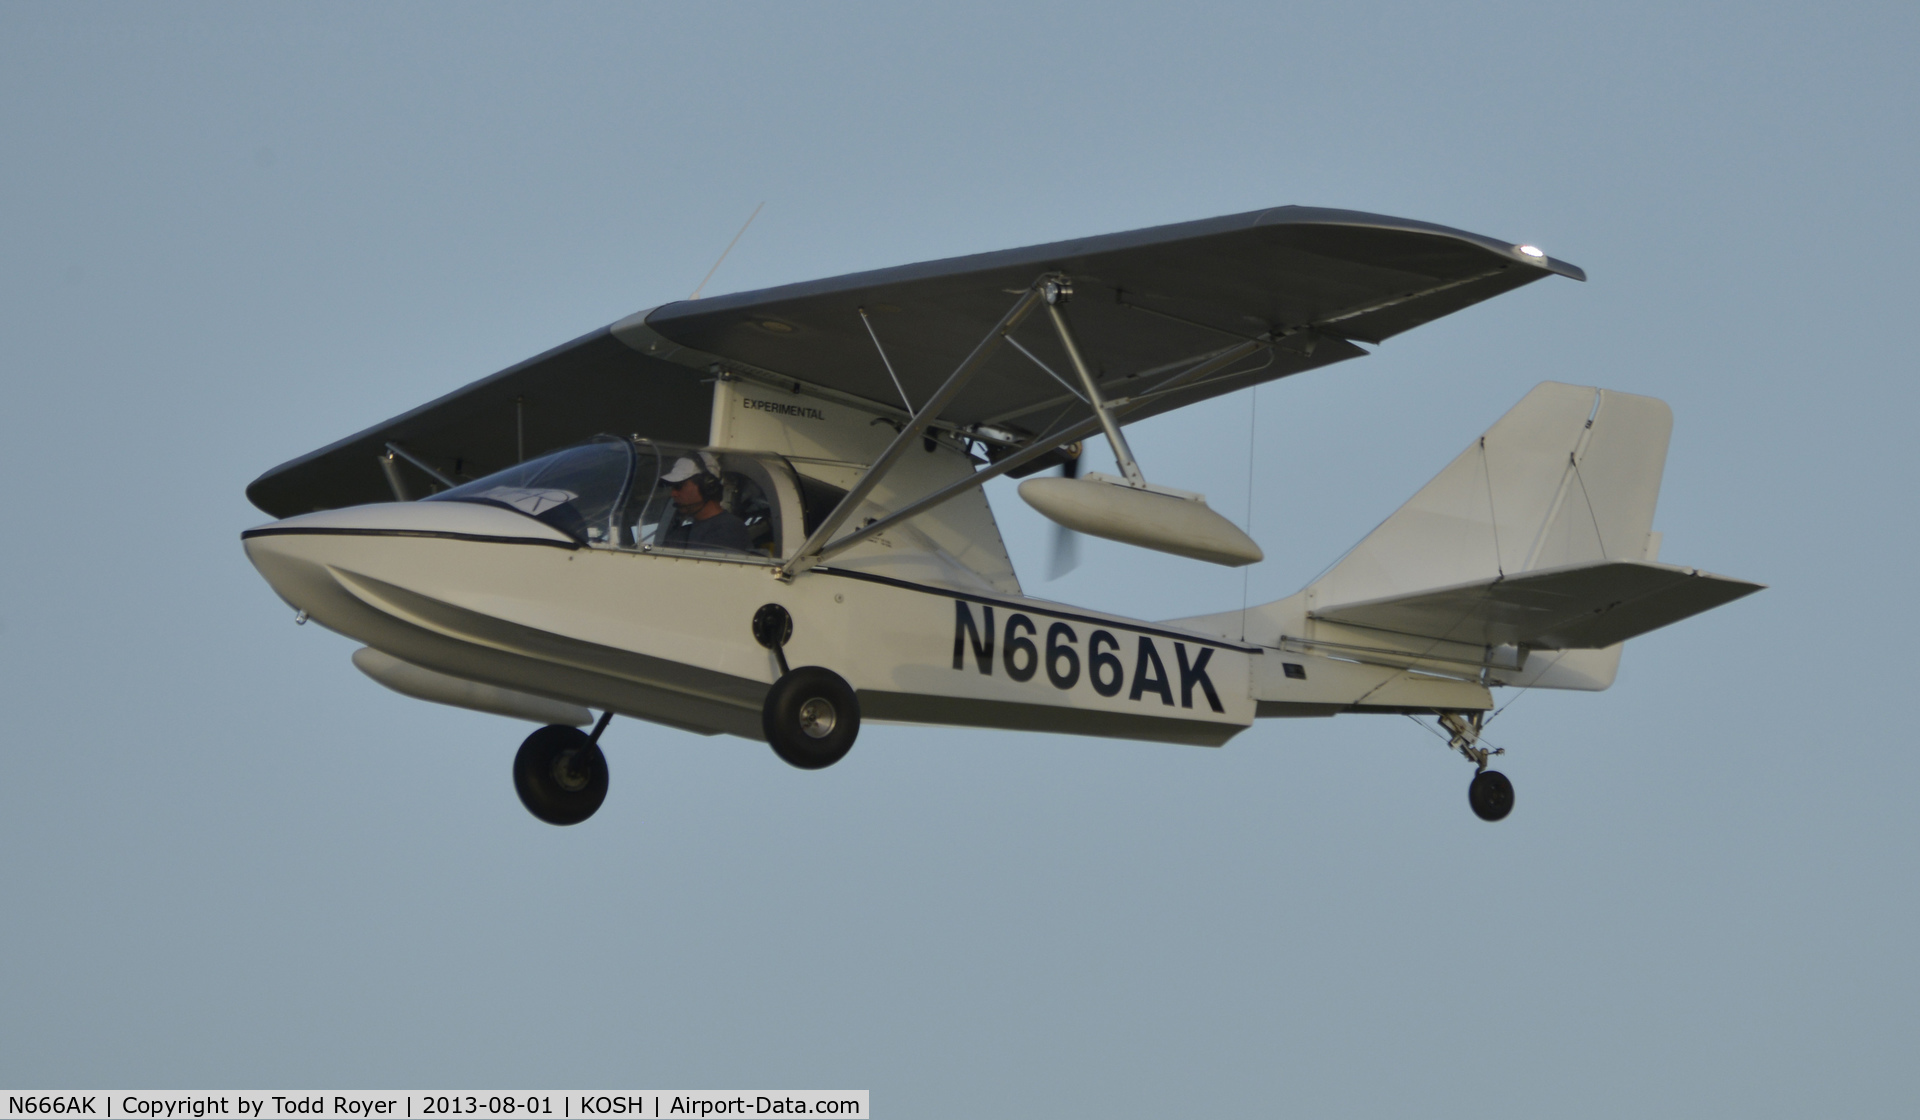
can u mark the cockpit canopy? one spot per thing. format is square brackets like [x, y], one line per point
[639, 494]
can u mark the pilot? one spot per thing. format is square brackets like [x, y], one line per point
[703, 521]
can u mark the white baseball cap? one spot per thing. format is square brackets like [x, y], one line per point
[686, 466]
[683, 469]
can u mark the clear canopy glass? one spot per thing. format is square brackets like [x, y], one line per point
[638, 494]
[577, 491]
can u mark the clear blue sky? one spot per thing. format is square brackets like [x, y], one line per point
[230, 234]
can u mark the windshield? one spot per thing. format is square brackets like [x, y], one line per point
[577, 491]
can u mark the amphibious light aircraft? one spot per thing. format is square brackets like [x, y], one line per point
[761, 514]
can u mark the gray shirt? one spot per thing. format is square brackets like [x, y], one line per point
[721, 531]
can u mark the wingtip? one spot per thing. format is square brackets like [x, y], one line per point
[1533, 256]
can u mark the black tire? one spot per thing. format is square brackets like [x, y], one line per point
[560, 774]
[1491, 795]
[811, 717]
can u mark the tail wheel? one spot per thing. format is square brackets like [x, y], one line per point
[560, 774]
[811, 717]
[1491, 795]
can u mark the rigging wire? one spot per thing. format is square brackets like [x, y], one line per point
[1015, 343]
[1246, 570]
[1577, 477]
[728, 249]
[885, 361]
[1524, 689]
[1486, 472]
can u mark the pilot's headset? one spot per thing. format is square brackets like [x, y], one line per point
[708, 480]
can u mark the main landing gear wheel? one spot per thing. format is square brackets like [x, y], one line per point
[811, 717]
[1491, 795]
[560, 774]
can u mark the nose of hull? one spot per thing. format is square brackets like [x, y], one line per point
[282, 562]
[293, 555]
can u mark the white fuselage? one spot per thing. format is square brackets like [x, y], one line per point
[490, 595]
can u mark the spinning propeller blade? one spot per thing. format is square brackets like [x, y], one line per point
[1066, 542]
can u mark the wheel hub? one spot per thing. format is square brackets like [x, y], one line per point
[817, 718]
[567, 774]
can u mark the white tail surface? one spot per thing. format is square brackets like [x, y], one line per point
[1527, 561]
[1569, 475]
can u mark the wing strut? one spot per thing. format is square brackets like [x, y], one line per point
[1044, 445]
[395, 449]
[811, 552]
[1057, 292]
[390, 464]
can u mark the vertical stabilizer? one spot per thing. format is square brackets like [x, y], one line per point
[1569, 475]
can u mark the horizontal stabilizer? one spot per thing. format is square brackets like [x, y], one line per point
[1580, 606]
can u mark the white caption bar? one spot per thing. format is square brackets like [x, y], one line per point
[449, 1104]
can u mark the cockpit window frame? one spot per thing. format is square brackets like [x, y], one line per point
[583, 530]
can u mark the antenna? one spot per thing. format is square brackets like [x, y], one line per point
[728, 249]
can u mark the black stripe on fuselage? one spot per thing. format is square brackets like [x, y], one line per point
[1027, 607]
[306, 531]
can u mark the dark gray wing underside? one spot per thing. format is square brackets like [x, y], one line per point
[1145, 303]
[596, 383]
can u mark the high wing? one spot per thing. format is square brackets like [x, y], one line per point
[1309, 283]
